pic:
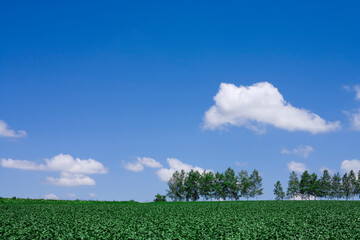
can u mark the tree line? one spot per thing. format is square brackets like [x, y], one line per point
[324, 187]
[186, 186]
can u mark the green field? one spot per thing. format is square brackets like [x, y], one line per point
[47, 219]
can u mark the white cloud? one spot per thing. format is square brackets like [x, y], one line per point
[241, 164]
[134, 167]
[331, 171]
[71, 195]
[5, 131]
[51, 196]
[92, 195]
[73, 171]
[259, 105]
[66, 163]
[149, 162]
[175, 165]
[138, 166]
[296, 167]
[70, 180]
[21, 164]
[357, 90]
[303, 151]
[348, 165]
[354, 118]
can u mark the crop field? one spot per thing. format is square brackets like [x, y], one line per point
[47, 219]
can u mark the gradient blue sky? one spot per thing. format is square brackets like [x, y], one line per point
[116, 81]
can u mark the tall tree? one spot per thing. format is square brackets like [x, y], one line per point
[176, 190]
[244, 183]
[255, 188]
[218, 186]
[293, 185]
[278, 191]
[192, 185]
[314, 186]
[206, 185]
[230, 184]
[325, 184]
[336, 189]
[346, 186]
[305, 183]
[353, 183]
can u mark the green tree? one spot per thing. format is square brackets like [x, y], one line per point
[305, 184]
[278, 191]
[176, 190]
[314, 186]
[218, 186]
[207, 181]
[160, 198]
[244, 183]
[353, 184]
[346, 186]
[255, 188]
[230, 185]
[293, 185]
[336, 189]
[325, 184]
[192, 185]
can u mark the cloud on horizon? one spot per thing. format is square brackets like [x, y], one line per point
[331, 171]
[296, 167]
[5, 131]
[73, 171]
[176, 165]
[51, 196]
[348, 165]
[259, 105]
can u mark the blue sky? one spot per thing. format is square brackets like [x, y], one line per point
[129, 86]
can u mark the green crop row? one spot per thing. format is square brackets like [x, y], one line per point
[181, 220]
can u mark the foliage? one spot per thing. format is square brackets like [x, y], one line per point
[207, 182]
[221, 186]
[176, 190]
[293, 185]
[44, 219]
[278, 191]
[325, 185]
[255, 188]
[336, 188]
[160, 198]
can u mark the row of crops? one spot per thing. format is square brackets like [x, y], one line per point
[181, 220]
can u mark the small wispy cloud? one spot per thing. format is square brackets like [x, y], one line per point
[354, 119]
[331, 171]
[134, 167]
[51, 196]
[303, 151]
[139, 164]
[296, 167]
[241, 164]
[354, 115]
[357, 91]
[5, 131]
